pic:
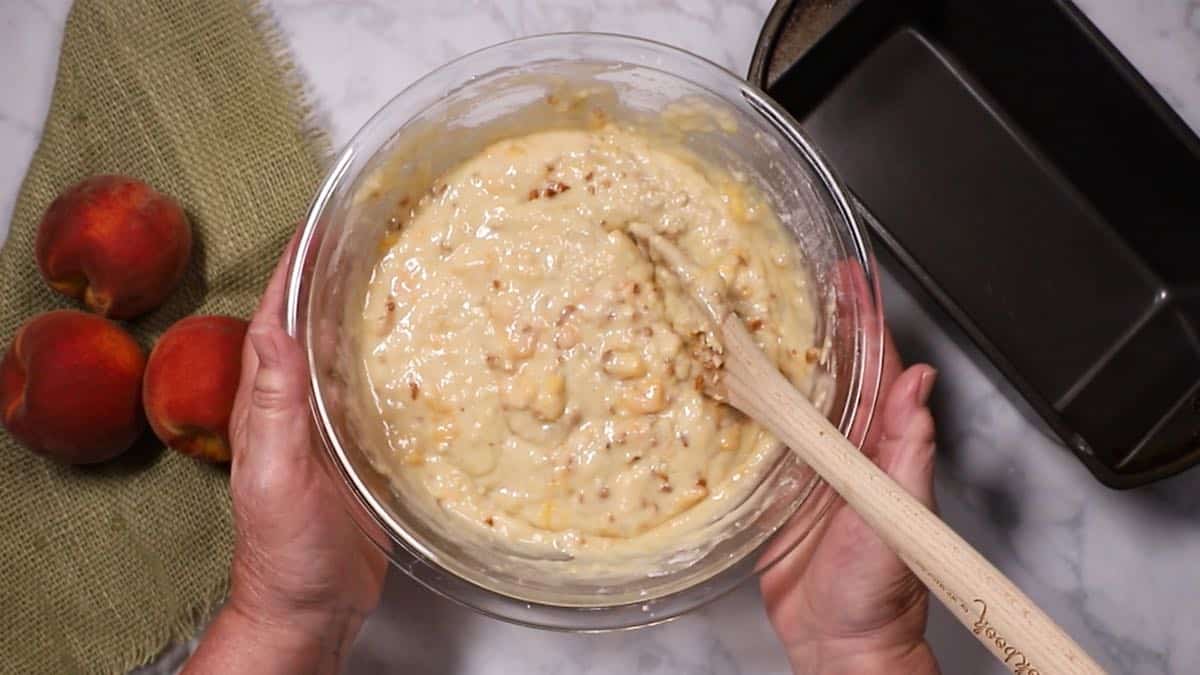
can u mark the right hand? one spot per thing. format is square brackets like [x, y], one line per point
[841, 601]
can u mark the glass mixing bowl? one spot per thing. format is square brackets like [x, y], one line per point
[559, 81]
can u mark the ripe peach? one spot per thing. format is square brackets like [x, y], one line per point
[70, 387]
[116, 243]
[191, 380]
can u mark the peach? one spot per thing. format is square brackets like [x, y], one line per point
[70, 387]
[116, 243]
[191, 380]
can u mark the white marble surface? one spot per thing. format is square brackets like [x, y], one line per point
[1119, 570]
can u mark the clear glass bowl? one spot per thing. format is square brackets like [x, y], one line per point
[526, 85]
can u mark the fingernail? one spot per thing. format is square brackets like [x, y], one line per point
[925, 388]
[264, 346]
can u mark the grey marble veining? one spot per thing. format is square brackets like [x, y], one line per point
[1120, 571]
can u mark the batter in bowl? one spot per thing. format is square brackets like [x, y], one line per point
[539, 378]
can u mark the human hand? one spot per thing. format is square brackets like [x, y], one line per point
[304, 575]
[841, 601]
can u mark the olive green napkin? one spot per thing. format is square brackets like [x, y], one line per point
[101, 567]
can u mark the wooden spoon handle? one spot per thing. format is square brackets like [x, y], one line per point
[996, 612]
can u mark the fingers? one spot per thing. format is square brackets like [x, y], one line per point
[905, 449]
[890, 370]
[267, 321]
[270, 308]
[858, 297]
[278, 406]
[901, 436]
[892, 364]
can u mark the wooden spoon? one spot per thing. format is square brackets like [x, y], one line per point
[996, 612]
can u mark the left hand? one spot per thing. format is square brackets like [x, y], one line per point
[299, 555]
[304, 575]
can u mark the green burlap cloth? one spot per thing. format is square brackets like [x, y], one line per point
[102, 567]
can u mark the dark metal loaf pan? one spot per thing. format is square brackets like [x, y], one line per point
[1039, 190]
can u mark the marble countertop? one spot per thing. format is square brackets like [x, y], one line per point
[1117, 569]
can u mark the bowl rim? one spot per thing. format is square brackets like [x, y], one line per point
[865, 384]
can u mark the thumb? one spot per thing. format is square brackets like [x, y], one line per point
[278, 414]
[905, 450]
